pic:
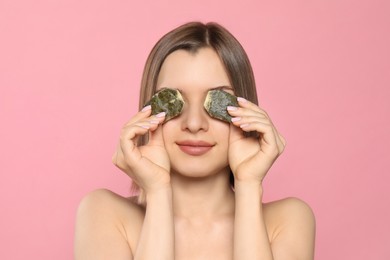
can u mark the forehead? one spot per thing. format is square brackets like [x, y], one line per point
[184, 69]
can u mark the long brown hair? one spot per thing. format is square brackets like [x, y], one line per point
[191, 37]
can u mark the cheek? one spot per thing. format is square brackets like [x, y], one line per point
[168, 130]
[219, 126]
[221, 132]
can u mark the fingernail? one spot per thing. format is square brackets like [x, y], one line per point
[154, 122]
[145, 126]
[241, 99]
[235, 119]
[146, 108]
[244, 125]
[162, 114]
[231, 108]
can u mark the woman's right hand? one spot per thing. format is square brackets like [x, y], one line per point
[147, 165]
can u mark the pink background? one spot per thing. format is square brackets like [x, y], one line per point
[69, 78]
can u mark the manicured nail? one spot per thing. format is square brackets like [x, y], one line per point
[162, 114]
[244, 125]
[241, 99]
[145, 126]
[155, 122]
[235, 119]
[144, 109]
[231, 108]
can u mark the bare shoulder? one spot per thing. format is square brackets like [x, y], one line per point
[106, 201]
[107, 224]
[288, 209]
[291, 226]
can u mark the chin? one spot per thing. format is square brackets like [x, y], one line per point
[199, 171]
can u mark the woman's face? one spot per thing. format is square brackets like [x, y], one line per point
[196, 143]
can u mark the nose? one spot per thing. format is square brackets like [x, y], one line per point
[194, 118]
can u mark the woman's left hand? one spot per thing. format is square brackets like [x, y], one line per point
[250, 158]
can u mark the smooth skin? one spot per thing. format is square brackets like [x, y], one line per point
[191, 212]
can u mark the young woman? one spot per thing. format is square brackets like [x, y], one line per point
[199, 178]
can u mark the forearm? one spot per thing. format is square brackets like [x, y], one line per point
[157, 236]
[250, 233]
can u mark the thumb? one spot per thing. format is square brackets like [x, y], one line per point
[235, 133]
[156, 137]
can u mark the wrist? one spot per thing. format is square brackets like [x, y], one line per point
[158, 192]
[153, 186]
[249, 183]
[246, 176]
[248, 188]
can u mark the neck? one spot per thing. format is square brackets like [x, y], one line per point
[202, 197]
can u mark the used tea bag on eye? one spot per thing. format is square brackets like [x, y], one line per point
[167, 100]
[216, 102]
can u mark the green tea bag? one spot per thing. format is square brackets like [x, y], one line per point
[167, 100]
[216, 102]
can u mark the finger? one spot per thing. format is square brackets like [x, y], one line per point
[265, 128]
[149, 123]
[262, 126]
[144, 113]
[236, 133]
[249, 119]
[251, 110]
[281, 141]
[156, 137]
[138, 126]
[242, 102]
[119, 159]
[129, 138]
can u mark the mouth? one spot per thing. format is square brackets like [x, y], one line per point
[194, 148]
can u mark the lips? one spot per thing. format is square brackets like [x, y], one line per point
[194, 148]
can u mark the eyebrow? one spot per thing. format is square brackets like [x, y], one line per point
[223, 87]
